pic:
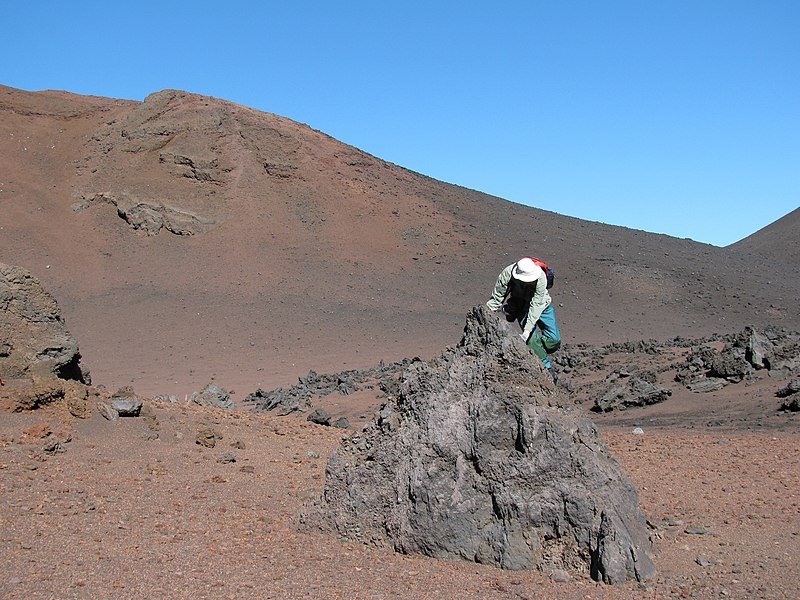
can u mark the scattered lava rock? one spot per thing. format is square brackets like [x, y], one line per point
[126, 402]
[212, 395]
[320, 417]
[791, 393]
[300, 397]
[790, 390]
[207, 437]
[228, 457]
[53, 446]
[635, 391]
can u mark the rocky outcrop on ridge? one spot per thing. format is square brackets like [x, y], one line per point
[34, 341]
[477, 459]
[151, 217]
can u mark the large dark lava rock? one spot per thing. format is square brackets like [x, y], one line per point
[475, 459]
[33, 338]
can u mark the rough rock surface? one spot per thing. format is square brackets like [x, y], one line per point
[790, 390]
[300, 396]
[34, 340]
[773, 350]
[212, 395]
[759, 351]
[149, 216]
[731, 365]
[475, 459]
[630, 391]
[126, 402]
[791, 393]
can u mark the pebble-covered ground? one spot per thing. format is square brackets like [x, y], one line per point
[143, 507]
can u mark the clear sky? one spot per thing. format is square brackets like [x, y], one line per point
[674, 116]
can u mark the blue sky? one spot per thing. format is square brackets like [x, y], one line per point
[678, 117]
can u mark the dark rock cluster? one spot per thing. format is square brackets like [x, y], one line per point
[711, 363]
[478, 459]
[775, 350]
[626, 390]
[321, 417]
[300, 396]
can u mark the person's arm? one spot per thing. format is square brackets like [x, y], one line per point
[500, 286]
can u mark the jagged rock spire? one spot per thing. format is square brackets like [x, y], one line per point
[477, 459]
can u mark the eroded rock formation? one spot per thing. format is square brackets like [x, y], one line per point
[477, 459]
[34, 340]
[148, 216]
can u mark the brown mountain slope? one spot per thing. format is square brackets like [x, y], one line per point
[777, 241]
[187, 237]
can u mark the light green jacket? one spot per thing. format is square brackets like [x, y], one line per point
[541, 298]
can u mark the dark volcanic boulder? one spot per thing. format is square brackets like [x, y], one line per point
[282, 400]
[476, 460]
[33, 338]
[126, 403]
[759, 351]
[212, 395]
[633, 391]
[730, 364]
[791, 393]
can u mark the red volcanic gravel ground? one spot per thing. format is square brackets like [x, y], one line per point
[137, 508]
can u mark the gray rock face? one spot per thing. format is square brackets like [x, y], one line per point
[149, 216]
[33, 337]
[730, 365]
[790, 390]
[758, 349]
[126, 402]
[633, 391]
[320, 417]
[476, 460]
[791, 393]
[212, 395]
[299, 397]
[707, 384]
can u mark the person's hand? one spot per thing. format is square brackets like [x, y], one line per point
[525, 335]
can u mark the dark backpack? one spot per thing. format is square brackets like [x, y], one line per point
[546, 268]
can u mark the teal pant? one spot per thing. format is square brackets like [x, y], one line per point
[547, 339]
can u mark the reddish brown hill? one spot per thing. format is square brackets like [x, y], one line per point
[187, 237]
[777, 241]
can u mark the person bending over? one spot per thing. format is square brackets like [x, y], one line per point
[521, 291]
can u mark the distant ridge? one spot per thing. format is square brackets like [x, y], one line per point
[778, 241]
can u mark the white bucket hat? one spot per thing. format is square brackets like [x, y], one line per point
[526, 270]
